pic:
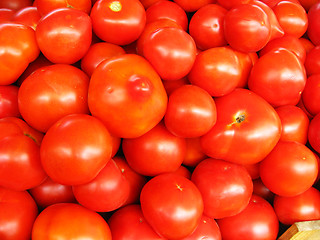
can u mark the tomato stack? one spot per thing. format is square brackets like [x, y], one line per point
[158, 119]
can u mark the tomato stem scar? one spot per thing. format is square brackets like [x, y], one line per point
[115, 6]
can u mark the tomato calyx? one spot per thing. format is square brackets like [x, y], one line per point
[115, 6]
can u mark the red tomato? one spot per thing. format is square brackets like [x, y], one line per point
[253, 170]
[148, 3]
[167, 10]
[171, 51]
[292, 17]
[193, 5]
[307, 4]
[307, 44]
[246, 130]
[75, 149]
[64, 35]
[53, 92]
[70, 221]
[117, 21]
[313, 30]
[239, 35]
[127, 95]
[311, 94]
[183, 171]
[290, 169]
[216, 70]
[15, 4]
[279, 77]
[129, 223]
[170, 86]
[172, 205]
[166, 150]
[225, 187]
[206, 26]
[9, 101]
[18, 211]
[295, 123]
[46, 6]
[257, 221]
[261, 190]
[6, 15]
[194, 153]
[28, 16]
[313, 133]
[303, 207]
[232, 3]
[191, 112]
[312, 63]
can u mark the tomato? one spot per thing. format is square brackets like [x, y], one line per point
[172, 205]
[313, 30]
[307, 44]
[194, 153]
[75, 149]
[290, 169]
[46, 6]
[225, 187]
[307, 4]
[127, 94]
[52, 92]
[261, 190]
[253, 170]
[257, 221]
[311, 94]
[242, 38]
[232, 3]
[70, 221]
[28, 16]
[64, 35]
[246, 130]
[157, 151]
[170, 86]
[18, 47]
[171, 51]
[6, 15]
[295, 123]
[119, 22]
[279, 77]
[129, 223]
[18, 212]
[312, 63]
[313, 133]
[216, 70]
[193, 5]
[148, 3]
[303, 207]
[9, 101]
[183, 171]
[15, 4]
[167, 10]
[191, 112]
[206, 26]
[97, 53]
[292, 17]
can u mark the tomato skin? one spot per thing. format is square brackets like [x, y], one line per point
[171, 51]
[46, 6]
[28, 16]
[70, 221]
[312, 62]
[172, 205]
[193, 5]
[246, 130]
[311, 94]
[51, 93]
[216, 70]
[232, 3]
[130, 103]
[194, 153]
[257, 221]
[279, 77]
[242, 38]
[290, 169]
[9, 101]
[215, 178]
[157, 151]
[313, 31]
[261, 190]
[303, 207]
[64, 35]
[15, 4]
[118, 22]
[20, 210]
[75, 149]
[313, 133]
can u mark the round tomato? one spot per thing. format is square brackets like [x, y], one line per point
[46, 6]
[232, 3]
[9, 101]
[194, 153]
[261, 190]
[313, 133]
[312, 63]
[193, 5]
[29, 16]
[313, 30]
[15, 4]
[311, 94]
[172, 205]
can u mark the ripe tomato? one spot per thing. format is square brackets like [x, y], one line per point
[232, 3]
[46, 6]
[18, 212]
[172, 205]
[75, 149]
[193, 5]
[261, 190]
[70, 221]
[290, 169]
[313, 30]
[127, 94]
[64, 35]
[257, 221]
[246, 130]
[29, 16]
[191, 112]
[194, 153]
[313, 133]
[117, 21]
[6, 15]
[15, 4]
[53, 92]
[9, 101]
[312, 63]
[225, 187]
[311, 94]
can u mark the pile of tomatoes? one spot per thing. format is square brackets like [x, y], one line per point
[158, 119]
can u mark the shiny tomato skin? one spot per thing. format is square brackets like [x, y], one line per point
[313, 133]
[75, 149]
[194, 153]
[64, 35]
[20, 210]
[246, 130]
[313, 31]
[172, 205]
[193, 5]
[51, 93]
[225, 187]
[312, 63]
[70, 221]
[311, 94]
[257, 221]
[289, 169]
[118, 22]
[303, 207]
[171, 51]
[15, 4]
[9, 101]
[46, 6]
[261, 190]
[279, 77]
[127, 94]
[28, 16]
[232, 3]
